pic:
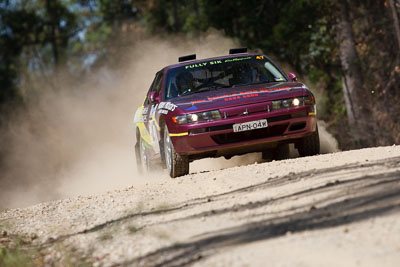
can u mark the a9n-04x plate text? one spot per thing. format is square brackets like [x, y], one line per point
[251, 125]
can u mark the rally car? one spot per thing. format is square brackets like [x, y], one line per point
[223, 106]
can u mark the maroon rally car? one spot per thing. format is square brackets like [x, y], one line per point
[223, 106]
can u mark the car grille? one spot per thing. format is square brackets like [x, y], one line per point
[229, 138]
[230, 126]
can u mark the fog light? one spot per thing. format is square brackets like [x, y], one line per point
[286, 103]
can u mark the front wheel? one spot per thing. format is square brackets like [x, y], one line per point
[309, 145]
[177, 165]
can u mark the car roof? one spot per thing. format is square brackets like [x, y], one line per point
[189, 62]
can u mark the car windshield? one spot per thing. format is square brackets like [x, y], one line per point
[216, 74]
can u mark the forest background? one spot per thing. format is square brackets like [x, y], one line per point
[347, 50]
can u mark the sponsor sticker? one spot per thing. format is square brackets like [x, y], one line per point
[245, 94]
[165, 107]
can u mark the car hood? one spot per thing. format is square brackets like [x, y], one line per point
[228, 97]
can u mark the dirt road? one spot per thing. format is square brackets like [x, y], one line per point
[338, 209]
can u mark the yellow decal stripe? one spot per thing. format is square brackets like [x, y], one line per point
[144, 133]
[156, 123]
[178, 134]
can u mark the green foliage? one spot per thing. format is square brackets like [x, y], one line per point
[132, 229]
[105, 237]
[15, 258]
[116, 11]
[287, 29]
[38, 37]
[14, 33]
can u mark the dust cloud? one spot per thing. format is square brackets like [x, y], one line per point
[79, 140]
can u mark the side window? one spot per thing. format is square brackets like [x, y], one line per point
[157, 82]
[155, 86]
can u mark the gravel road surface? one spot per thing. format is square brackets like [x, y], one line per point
[338, 209]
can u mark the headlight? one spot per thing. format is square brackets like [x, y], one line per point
[276, 104]
[308, 100]
[192, 117]
[286, 103]
[293, 102]
[197, 117]
[179, 119]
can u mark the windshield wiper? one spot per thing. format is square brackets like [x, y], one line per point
[241, 84]
[248, 84]
[212, 88]
[204, 89]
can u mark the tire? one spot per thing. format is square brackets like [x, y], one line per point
[142, 161]
[309, 145]
[138, 159]
[177, 165]
[279, 153]
[267, 155]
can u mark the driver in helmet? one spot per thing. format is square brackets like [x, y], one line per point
[242, 74]
[184, 82]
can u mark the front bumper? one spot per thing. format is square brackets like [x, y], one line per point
[216, 138]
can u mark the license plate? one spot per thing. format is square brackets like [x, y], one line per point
[251, 125]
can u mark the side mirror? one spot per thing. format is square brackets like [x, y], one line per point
[153, 97]
[292, 76]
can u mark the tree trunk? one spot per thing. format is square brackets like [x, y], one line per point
[354, 94]
[54, 29]
[196, 9]
[395, 21]
[177, 24]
